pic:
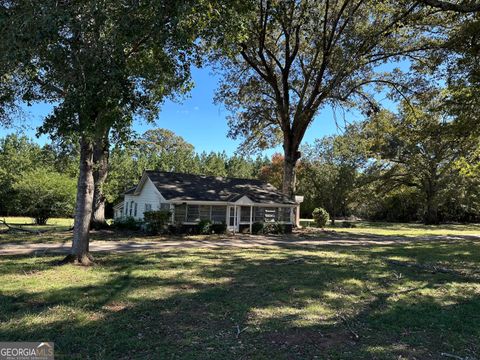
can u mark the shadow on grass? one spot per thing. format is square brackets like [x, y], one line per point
[241, 304]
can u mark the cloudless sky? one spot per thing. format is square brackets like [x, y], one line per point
[196, 118]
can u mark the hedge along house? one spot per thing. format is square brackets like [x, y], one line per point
[191, 198]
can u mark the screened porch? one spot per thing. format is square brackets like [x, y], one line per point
[233, 215]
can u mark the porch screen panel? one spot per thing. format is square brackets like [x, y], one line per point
[219, 213]
[245, 214]
[180, 213]
[204, 212]
[258, 214]
[193, 213]
[284, 214]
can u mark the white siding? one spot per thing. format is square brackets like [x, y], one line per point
[148, 195]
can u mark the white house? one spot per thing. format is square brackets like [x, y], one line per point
[191, 198]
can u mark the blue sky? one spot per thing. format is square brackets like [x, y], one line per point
[196, 119]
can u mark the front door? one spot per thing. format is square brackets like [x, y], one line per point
[233, 218]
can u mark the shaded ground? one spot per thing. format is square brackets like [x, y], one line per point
[335, 296]
[111, 241]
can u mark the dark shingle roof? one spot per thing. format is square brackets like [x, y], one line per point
[183, 187]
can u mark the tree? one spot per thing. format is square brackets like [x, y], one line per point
[18, 154]
[463, 7]
[100, 62]
[240, 167]
[328, 175]
[299, 56]
[166, 151]
[44, 193]
[273, 171]
[418, 148]
[213, 164]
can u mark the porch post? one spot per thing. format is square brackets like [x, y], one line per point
[251, 217]
[227, 221]
[234, 218]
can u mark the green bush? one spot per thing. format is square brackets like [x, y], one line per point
[257, 228]
[128, 223]
[45, 193]
[156, 221]
[277, 228]
[219, 228]
[321, 217]
[205, 227]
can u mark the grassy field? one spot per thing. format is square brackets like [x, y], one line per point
[56, 231]
[414, 300]
[401, 229]
[29, 223]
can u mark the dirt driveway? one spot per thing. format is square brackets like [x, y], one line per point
[238, 241]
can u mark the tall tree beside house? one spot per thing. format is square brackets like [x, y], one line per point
[300, 56]
[100, 62]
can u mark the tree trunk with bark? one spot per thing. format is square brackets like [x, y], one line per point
[100, 160]
[291, 156]
[431, 211]
[431, 208]
[83, 211]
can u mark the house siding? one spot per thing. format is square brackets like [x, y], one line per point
[148, 195]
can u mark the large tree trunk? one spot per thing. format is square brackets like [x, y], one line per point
[83, 210]
[431, 211]
[289, 171]
[431, 208]
[100, 160]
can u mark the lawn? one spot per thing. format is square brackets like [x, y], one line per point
[329, 302]
[400, 229]
[29, 223]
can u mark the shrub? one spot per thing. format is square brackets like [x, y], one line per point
[219, 228]
[156, 221]
[321, 217]
[44, 193]
[205, 227]
[277, 228]
[128, 223]
[257, 228]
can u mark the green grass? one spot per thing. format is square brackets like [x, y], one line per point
[291, 303]
[29, 223]
[401, 229]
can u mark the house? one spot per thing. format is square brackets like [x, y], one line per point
[191, 198]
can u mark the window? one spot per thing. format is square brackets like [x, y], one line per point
[164, 207]
[131, 208]
[126, 209]
[135, 211]
[232, 217]
[148, 207]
